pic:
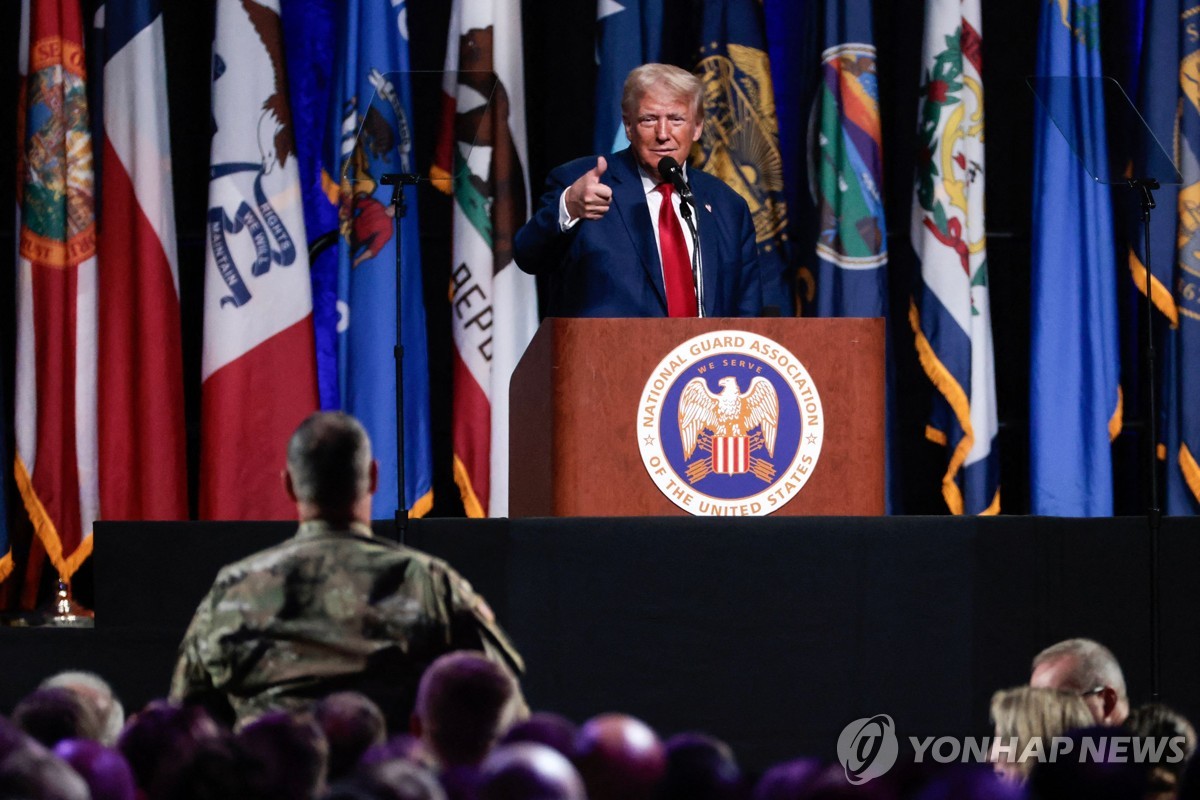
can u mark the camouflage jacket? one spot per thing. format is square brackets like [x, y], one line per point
[328, 610]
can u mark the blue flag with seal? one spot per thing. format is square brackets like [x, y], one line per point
[1074, 380]
[628, 34]
[740, 139]
[370, 135]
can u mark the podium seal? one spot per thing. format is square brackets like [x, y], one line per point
[730, 424]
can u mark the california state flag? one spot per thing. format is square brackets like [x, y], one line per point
[493, 303]
[259, 374]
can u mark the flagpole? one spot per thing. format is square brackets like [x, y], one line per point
[1146, 187]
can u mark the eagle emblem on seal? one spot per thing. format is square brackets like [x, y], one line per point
[730, 427]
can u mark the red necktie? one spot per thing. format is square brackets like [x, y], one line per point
[677, 266]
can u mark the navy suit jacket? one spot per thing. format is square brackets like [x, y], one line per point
[610, 267]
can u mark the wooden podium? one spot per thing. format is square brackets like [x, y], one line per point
[578, 391]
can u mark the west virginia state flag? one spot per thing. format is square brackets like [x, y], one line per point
[1074, 393]
[740, 140]
[950, 312]
[370, 135]
[259, 377]
[55, 408]
[482, 145]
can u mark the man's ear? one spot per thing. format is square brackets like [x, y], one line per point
[374, 472]
[289, 487]
[1109, 700]
[699, 130]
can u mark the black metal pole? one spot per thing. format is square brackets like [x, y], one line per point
[398, 181]
[1153, 512]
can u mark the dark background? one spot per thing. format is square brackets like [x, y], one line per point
[560, 75]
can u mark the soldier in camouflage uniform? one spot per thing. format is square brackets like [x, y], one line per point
[333, 607]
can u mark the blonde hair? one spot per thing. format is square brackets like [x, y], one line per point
[679, 82]
[1026, 713]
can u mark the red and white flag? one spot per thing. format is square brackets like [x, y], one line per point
[142, 452]
[493, 304]
[259, 373]
[55, 408]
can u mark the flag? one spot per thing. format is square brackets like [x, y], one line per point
[259, 380]
[310, 43]
[851, 243]
[493, 303]
[950, 311]
[371, 134]
[142, 452]
[1074, 392]
[6, 556]
[55, 405]
[740, 140]
[628, 34]
[1170, 103]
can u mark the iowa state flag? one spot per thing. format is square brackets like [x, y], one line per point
[259, 378]
[142, 453]
[55, 407]
[493, 304]
[1074, 392]
[950, 312]
[370, 135]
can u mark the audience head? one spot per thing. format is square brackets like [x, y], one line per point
[551, 730]
[388, 780]
[352, 724]
[51, 715]
[162, 734]
[789, 780]
[619, 757]
[330, 474]
[33, 773]
[95, 692]
[1025, 713]
[700, 767]
[464, 703]
[1090, 670]
[105, 771]
[285, 755]
[402, 746]
[529, 771]
[1159, 722]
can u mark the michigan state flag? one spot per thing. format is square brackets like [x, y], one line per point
[740, 140]
[371, 135]
[628, 34]
[1074, 393]
[950, 312]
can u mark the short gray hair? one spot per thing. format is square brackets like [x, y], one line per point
[1095, 664]
[679, 82]
[329, 459]
[93, 689]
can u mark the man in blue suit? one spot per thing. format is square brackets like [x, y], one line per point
[611, 248]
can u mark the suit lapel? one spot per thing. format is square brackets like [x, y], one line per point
[709, 249]
[629, 198]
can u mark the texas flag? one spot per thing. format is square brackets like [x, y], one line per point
[258, 367]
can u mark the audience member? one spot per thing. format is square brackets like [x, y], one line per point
[1088, 669]
[160, 738]
[333, 607]
[1163, 724]
[464, 703]
[51, 715]
[29, 771]
[1025, 715]
[789, 780]
[388, 780]
[105, 771]
[286, 756]
[700, 767]
[619, 757]
[545, 728]
[352, 724]
[529, 771]
[402, 746]
[94, 691]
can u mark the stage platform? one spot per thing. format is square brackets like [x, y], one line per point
[769, 633]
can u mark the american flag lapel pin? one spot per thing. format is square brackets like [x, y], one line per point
[708, 207]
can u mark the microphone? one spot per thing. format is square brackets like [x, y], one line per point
[670, 171]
